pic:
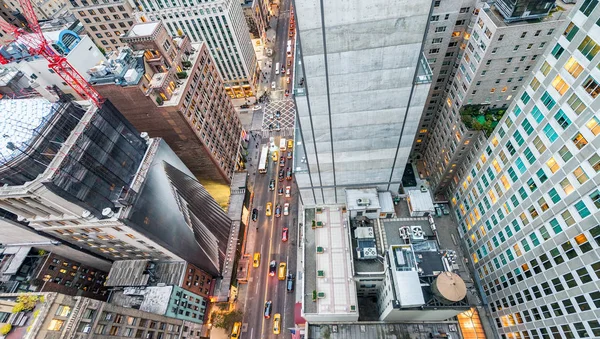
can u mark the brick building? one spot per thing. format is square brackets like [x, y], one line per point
[171, 89]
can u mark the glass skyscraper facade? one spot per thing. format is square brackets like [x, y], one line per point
[529, 205]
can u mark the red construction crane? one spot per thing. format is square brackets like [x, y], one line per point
[38, 45]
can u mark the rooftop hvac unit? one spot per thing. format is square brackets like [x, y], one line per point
[363, 202]
[370, 252]
[404, 232]
[108, 212]
[417, 233]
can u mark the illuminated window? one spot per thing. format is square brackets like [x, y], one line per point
[573, 67]
[55, 325]
[496, 165]
[505, 182]
[594, 125]
[495, 141]
[560, 85]
[579, 141]
[492, 197]
[63, 311]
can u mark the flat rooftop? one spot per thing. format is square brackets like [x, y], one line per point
[142, 29]
[333, 260]
[20, 121]
[559, 14]
[154, 299]
[353, 195]
[391, 233]
[378, 330]
[137, 273]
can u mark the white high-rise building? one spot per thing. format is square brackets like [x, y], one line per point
[529, 205]
[221, 24]
[360, 86]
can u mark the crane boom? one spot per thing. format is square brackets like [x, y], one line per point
[38, 45]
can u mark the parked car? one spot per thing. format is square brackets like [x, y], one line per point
[273, 85]
[280, 191]
[289, 154]
[284, 234]
[272, 185]
[290, 282]
[278, 211]
[254, 214]
[286, 209]
[281, 173]
[288, 173]
[268, 306]
[282, 161]
[272, 268]
[288, 191]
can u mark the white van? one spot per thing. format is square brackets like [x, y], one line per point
[273, 85]
[277, 68]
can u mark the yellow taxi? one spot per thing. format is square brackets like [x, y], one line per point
[269, 210]
[256, 261]
[290, 144]
[235, 332]
[282, 271]
[275, 156]
[277, 323]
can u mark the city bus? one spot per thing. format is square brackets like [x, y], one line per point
[282, 145]
[263, 163]
[289, 48]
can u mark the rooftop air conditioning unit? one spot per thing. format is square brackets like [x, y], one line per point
[417, 233]
[363, 202]
[404, 232]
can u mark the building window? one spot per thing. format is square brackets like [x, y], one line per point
[63, 311]
[588, 6]
[589, 48]
[56, 325]
[557, 51]
[579, 141]
[571, 31]
[591, 87]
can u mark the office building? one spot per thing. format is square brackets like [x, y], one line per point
[170, 88]
[105, 188]
[105, 22]
[62, 316]
[43, 9]
[447, 31]
[27, 269]
[528, 202]
[524, 9]
[222, 26]
[497, 58]
[360, 86]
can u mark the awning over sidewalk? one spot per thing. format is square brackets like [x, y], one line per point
[298, 320]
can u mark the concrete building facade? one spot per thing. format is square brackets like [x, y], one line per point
[360, 86]
[222, 26]
[105, 22]
[498, 56]
[528, 203]
[170, 88]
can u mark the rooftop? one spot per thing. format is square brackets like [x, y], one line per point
[145, 273]
[481, 117]
[558, 13]
[369, 197]
[378, 330]
[142, 29]
[330, 280]
[420, 201]
[153, 299]
[21, 120]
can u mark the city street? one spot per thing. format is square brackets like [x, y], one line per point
[261, 287]
[268, 230]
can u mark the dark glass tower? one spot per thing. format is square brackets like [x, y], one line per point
[515, 10]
